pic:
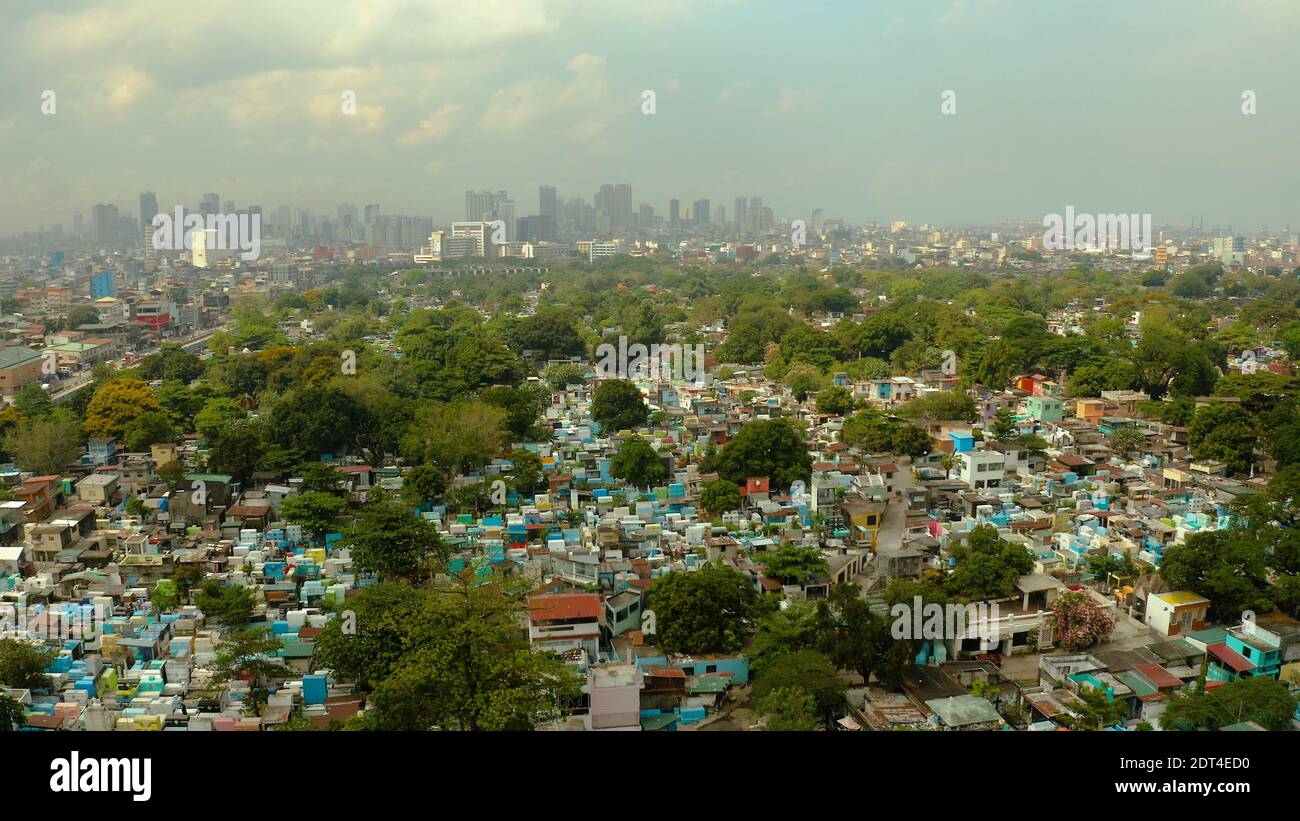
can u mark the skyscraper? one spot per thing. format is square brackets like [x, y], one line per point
[674, 213]
[701, 212]
[148, 208]
[621, 212]
[105, 223]
[488, 206]
[548, 202]
[742, 208]
[210, 204]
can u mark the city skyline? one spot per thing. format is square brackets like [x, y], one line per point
[813, 107]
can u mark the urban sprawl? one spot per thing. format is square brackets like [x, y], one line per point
[606, 468]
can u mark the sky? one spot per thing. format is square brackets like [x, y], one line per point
[1105, 105]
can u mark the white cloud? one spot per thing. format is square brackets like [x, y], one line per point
[432, 128]
[521, 106]
[793, 101]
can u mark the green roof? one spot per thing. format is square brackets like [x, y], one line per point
[708, 684]
[657, 722]
[11, 356]
[1139, 686]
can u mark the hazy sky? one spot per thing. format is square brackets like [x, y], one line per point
[1123, 105]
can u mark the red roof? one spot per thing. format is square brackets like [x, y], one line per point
[553, 606]
[1158, 675]
[1230, 657]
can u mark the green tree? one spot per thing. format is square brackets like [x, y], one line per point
[1228, 567]
[392, 542]
[835, 400]
[805, 670]
[527, 476]
[1004, 425]
[719, 496]
[521, 407]
[1094, 709]
[703, 611]
[317, 421]
[466, 666]
[421, 484]
[561, 375]
[460, 436]
[1258, 698]
[770, 448]
[12, 715]
[789, 709]
[216, 415]
[165, 597]
[315, 512]
[22, 665]
[941, 406]
[1126, 440]
[793, 565]
[149, 428]
[45, 446]
[33, 401]
[618, 405]
[320, 477]
[987, 567]
[638, 464]
[230, 604]
[250, 654]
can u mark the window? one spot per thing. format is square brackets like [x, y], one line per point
[712, 668]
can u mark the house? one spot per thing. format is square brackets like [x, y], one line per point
[562, 622]
[19, 366]
[1176, 612]
[982, 469]
[1045, 408]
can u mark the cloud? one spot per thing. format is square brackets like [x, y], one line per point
[124, 87]
[522, 106]
[793, 101]
[432, 128]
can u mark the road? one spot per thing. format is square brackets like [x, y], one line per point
[70, 386]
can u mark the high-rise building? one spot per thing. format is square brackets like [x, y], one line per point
[203, 243]
[818, 220]
[674, 213]
[105, 223]
[372, 214]
[645, 218]
[538, 228]
[742, 210]
[760, 219]
[209, 204]
[488, 206]
[548, 202]
[480, 231]
[148, 208]
[621, 213]
[701, 212]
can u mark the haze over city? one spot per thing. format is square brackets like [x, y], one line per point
[830, 105]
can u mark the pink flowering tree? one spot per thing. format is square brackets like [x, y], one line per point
[1079, 622]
